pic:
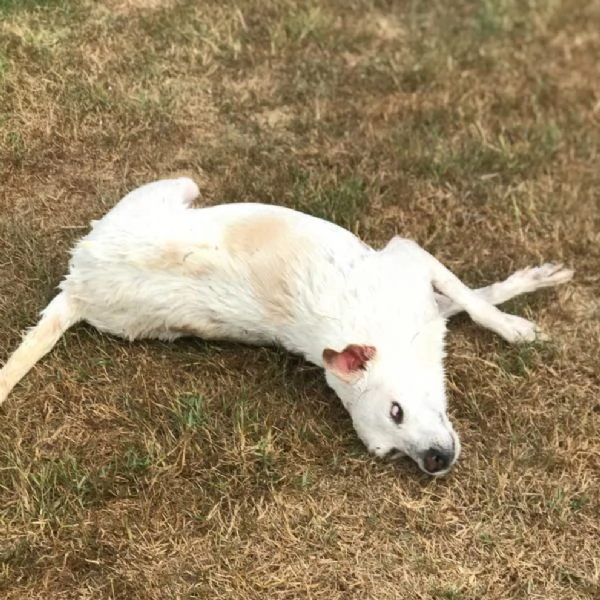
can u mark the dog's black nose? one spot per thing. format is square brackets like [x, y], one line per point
[435, 460]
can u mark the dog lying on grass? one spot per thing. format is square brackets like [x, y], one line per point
[154, 267]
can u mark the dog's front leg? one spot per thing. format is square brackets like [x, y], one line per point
[524, 281]
[511, 327]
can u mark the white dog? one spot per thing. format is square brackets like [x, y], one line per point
[154, 267]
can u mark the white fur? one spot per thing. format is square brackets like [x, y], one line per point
[154, 267]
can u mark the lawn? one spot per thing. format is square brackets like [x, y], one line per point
[199, 470]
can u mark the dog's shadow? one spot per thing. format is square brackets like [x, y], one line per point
[301, 388]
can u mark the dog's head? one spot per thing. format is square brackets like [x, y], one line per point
[396, 397]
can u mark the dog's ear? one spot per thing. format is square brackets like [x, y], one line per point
[350, 362]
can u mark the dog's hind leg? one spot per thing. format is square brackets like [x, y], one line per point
[524, 281]
[56, 318]
[163, 193]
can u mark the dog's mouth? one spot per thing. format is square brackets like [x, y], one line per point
[394, 454]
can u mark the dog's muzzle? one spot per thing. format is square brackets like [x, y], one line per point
[436, 461]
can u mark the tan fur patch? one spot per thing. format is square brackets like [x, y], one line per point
[193, 260]
[269, 247]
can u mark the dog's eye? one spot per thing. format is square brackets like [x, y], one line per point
[396, 413]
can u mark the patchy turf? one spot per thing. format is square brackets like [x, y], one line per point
[197, 470]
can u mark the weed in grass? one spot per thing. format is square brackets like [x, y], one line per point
[188, 413]
[137, 461]
[307, 23]
[17, 147]
[489, 19]
[51, 489]
[304, 481]
[519, 360]
[245, 413]
[486, 539]
[265, 452]
[578, 503]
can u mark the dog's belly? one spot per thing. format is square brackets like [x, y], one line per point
[245, 273]
[165, 306]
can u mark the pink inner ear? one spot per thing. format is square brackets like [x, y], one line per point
[351, 359]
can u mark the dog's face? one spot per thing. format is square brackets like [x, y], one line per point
[396, 398]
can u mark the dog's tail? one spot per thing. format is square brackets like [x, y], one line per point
[56, 318]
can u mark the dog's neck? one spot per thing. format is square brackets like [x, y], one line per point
[374, 301]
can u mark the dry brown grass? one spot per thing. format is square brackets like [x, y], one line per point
[198, 470]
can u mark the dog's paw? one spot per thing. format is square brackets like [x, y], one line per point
[188, 189]
[517, 329]
[546, 275]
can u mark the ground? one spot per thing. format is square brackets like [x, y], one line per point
[197, 470]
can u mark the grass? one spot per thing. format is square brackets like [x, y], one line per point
[196, 470]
